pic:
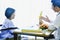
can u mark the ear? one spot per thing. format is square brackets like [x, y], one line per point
[59, 8]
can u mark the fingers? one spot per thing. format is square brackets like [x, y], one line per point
[47, 17]
[44, 26]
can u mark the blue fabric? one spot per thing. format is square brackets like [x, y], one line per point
[7, 33]
[9, 12]
[56, 2]
[1, 36]
[4, 32]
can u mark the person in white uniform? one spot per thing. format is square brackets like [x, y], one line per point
[10, 14]
[56, 23]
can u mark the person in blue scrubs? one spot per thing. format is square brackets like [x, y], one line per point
[56, 8]
[56, 23]
[10, 14]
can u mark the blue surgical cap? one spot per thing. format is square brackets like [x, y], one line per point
[9, 12]
[56, 3]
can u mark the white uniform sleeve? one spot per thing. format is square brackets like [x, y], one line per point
[55, 24]
[57, 21]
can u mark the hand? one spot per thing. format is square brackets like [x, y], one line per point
[45, 18]
[45, 26]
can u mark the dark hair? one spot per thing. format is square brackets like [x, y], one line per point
[9, 12]
[55, 3]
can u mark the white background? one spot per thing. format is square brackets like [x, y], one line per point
[27, 11]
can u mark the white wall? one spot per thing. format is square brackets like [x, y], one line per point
[27, 11]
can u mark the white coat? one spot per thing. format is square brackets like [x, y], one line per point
[56, 24]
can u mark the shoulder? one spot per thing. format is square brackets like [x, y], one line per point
[6, 22]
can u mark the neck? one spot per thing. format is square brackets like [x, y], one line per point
[10, 19]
